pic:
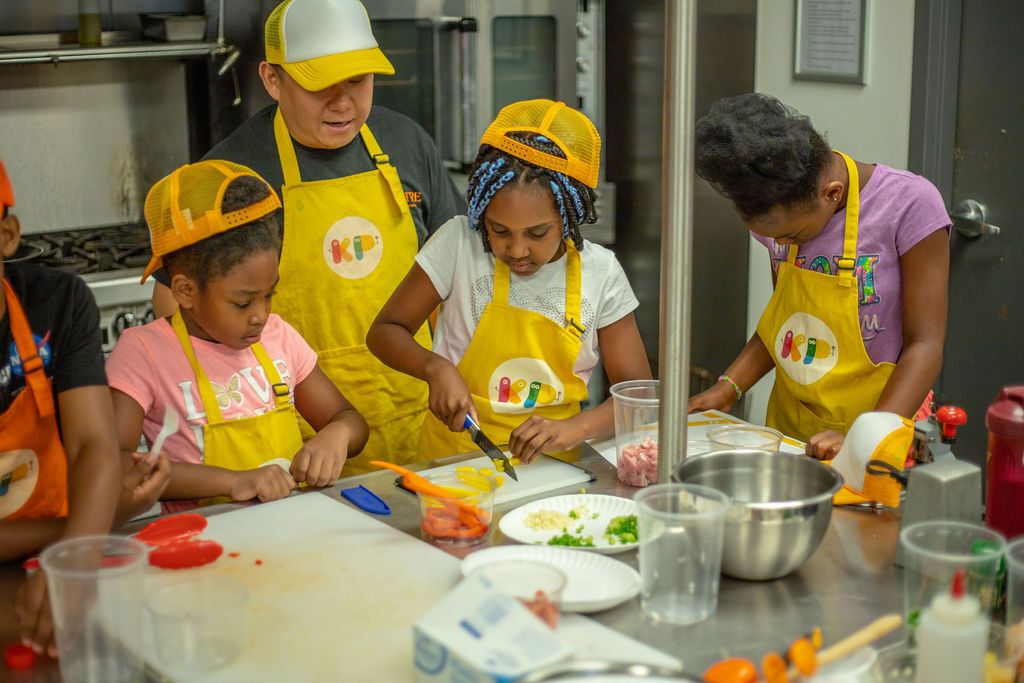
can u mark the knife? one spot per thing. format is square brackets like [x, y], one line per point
[488, 447]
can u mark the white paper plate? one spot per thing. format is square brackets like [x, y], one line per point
[595, 583]
[601, 510]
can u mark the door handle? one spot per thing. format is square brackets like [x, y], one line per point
[969, 220]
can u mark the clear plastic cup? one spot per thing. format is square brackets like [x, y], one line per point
[636, 430]
[462, 519]
[1015, 583]
[731, 437]
[936, 550]
[680, 529]
[523, 578]
[95, 586]
[199, 624]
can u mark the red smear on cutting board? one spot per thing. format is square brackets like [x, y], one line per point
[171, 529]
[185, 554]
[259, 562]
[232, 554]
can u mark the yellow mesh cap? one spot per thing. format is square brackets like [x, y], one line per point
[571, 130]
[185, 207]
[323, 42]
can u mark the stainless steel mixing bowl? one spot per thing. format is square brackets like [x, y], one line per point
[780, 510]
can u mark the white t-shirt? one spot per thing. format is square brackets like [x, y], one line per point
[463, 274]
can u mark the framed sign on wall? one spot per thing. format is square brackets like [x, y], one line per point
[829, 39]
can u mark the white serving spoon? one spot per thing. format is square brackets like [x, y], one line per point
[170, 426]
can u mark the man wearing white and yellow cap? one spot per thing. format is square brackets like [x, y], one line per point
[362, 187]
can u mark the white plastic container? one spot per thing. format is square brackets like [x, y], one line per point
[952, 638]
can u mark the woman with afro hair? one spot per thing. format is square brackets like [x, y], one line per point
[860, 263]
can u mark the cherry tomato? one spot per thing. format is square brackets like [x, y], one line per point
[736, 670]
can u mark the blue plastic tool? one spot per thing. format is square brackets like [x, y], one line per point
[365, 499]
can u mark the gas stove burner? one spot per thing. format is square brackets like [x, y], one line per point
[91, 250]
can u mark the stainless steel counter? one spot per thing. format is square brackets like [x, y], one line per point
[848, 582]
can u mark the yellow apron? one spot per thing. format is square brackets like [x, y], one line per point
[248, 442]
[348, 242]
[518, 363]
[824, 377]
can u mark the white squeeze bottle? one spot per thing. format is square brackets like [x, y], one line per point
[952, 638]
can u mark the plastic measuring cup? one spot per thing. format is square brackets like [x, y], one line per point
[636, 406]
[680, 529]
[935, 550]
[730, 437]
[95, 585]
[199, 624]
[1015, 582]
[464, 518]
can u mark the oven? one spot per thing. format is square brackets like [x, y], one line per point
[457, 62]
[110, 260]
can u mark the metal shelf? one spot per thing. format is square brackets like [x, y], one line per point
[49, 48]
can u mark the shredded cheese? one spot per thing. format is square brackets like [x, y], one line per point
[547, 520]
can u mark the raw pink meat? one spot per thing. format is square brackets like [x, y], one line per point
[638, 463]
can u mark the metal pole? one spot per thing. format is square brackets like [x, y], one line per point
[676, 231]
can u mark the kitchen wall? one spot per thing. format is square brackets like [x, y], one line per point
[870, 122]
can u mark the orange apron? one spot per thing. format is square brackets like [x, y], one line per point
[33, 465]
[518, 363]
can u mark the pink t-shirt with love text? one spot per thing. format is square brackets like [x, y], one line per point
[149, 365]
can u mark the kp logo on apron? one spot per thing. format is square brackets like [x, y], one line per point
[521, 384]
[19, 471]
[353, 247]
[807, 348]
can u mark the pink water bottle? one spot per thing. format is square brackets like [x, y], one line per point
[1004, 507]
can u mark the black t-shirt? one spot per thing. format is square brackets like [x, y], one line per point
[429, 190]
[66, 325]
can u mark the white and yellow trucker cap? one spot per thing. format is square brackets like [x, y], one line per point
[323, 42]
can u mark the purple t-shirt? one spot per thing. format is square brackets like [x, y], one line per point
[897, 210]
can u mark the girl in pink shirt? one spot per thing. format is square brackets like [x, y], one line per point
[233, 371]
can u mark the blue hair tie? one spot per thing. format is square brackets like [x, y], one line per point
[479, 206]
[560, 200]
[483, 175]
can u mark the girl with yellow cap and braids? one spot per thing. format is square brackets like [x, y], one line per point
[528, 306]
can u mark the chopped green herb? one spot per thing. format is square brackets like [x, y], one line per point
[573, 541]
[573, 514]
[621, 530]
[595, 515]
[579, 529]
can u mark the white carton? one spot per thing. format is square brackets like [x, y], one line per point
[476, 634]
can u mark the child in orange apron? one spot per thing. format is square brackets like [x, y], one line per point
[60, 475]
[860, 256]
[238, 375]
[528, 305]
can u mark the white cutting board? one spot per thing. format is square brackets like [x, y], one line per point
[334, 598]
[542, 475]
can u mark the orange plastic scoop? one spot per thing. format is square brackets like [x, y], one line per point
[416, 482]
[420, 484]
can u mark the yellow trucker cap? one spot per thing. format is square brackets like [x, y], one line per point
[323, 42]
[569, 129]
[185, 207]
